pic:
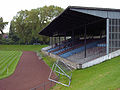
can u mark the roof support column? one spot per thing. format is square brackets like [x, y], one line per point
[52, 42]
[55, 40]
[59, 41]
[65, 36]
[85, 41]
[72, 37]
[107, 36]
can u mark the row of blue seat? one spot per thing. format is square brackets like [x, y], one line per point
[61, 45]
[101, 45]
[90, 45]
[60, 50]
[69, 53]
[63, 49]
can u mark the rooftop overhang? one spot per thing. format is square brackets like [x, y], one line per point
[75, 19]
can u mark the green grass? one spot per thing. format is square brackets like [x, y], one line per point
[8, 62]
[10, 56]
[21, 47]
[104, 76]
[48, 60]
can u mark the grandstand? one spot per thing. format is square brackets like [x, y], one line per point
[84, 36]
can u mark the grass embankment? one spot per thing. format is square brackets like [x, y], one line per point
[10, 56]
[48, 60]
[104, 76]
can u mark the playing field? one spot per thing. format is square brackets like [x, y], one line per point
[8, 62]
[21, 47]
[10, 56]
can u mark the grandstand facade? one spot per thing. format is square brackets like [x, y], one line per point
[84, 36]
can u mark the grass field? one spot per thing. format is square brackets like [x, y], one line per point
[8, 62]
[21, 47]
[10, 55]
[104, 76]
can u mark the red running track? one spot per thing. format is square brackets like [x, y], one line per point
[30, 72]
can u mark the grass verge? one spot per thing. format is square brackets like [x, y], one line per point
[48, 60]
[104, 76]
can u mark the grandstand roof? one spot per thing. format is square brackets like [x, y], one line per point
[74, 19]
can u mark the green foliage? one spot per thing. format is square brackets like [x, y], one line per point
[12, 33]
[104, 76]
[26, 25]
[6, 41]
[2, 24]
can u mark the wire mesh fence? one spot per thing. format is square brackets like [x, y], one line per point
[47, 85]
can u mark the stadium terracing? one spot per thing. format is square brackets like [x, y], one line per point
[84, 36]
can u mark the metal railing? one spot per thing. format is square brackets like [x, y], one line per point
[91, 54]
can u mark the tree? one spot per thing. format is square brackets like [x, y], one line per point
[2, 25]
[19, 27]
[12, 33]
[27, 24]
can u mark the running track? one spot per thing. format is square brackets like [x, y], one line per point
[30, 72]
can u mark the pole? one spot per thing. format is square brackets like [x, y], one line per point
[72, 37]
[44, 85]
[59, 41]
[65, 36]
[85, 41]
[55, 39]
[52, 42]
[7, 69]
[107, 27]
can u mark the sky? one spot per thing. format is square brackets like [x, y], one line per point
[9, 8]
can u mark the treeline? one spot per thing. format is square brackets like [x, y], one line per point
[26, 25]
[2, 26]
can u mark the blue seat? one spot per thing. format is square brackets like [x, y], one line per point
[77, 50]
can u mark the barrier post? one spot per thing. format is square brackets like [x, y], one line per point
[44, 85]
[7, 69]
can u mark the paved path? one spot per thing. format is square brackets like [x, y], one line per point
[30, 72]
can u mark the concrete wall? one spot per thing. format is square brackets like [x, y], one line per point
[46, 48]
[85, 65]
[101, 59]
[69, 63]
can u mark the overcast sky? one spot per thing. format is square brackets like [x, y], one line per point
[9, 8]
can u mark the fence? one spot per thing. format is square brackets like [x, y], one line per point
[45, 85]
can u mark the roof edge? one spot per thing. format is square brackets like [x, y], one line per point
[93, 8]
